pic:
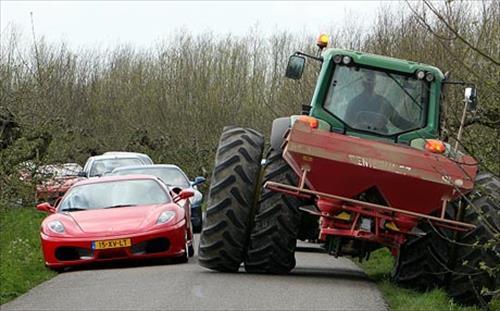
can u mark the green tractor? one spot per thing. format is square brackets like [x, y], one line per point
[362, 167]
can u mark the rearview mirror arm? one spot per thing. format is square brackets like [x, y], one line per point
[319, 59]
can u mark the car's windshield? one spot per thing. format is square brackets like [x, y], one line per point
[114, 194]
[100, 167]
[377, 101]
[169, 175]
[144, 157]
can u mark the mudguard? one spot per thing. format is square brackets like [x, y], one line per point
[281, 125]
[278, 130]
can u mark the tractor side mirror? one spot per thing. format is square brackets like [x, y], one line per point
[295, 67]
[45, 207]
[82, 174]
[470, 98]
[183, 195]
[198, 180]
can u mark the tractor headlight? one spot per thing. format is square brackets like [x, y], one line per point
[346, 60]
[56, 226]
[165, 217]
[429, 77]
[337, 59]
[420, 74]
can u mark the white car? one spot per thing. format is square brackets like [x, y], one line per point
[105, 163]
[144, 156]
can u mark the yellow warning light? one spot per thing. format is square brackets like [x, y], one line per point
[322, 41]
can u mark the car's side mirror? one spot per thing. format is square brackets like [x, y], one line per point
[82, 174]
[470, 98]
[183, 195]
[295, 67]
[198, 180]
[45, 207]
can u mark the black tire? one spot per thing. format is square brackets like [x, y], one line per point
[469, 279]
[422, 261]
[197, 229]
[276, 223]
[190, 243]
[231, 199]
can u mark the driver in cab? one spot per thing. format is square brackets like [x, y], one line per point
[371, 108]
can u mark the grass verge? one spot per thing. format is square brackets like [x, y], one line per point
[378, 268]
[21, 259]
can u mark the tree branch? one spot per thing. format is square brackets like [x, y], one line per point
[455, 32]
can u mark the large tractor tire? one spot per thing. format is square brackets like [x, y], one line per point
[231, 199]
[276, 224]
[476, 271]
[421, 262]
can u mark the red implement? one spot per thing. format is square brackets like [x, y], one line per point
[413, 183]
[408, 178]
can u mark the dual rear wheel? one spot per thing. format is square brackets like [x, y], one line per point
[245, 223]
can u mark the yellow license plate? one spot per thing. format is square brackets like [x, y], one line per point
[111, 244]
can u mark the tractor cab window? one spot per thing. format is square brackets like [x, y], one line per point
[375, 101]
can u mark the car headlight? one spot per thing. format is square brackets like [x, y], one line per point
[165, 217]
[56, 226]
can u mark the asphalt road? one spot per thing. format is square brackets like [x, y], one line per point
[319, 282]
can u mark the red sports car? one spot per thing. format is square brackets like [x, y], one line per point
[116, 217]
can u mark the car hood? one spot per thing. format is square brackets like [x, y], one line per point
[115, 221]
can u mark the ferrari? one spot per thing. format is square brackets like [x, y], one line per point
[116, 218]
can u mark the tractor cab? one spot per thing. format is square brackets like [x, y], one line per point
[375, 97]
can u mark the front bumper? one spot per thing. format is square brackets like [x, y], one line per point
[168, 241]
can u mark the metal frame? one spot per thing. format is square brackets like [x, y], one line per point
[307, 193]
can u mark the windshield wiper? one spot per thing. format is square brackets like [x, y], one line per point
[120, 205]
[404, 90]
[73, 209]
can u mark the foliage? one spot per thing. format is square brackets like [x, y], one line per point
[378, 268]
[448, 35]
[21, 261]
[172, 101]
